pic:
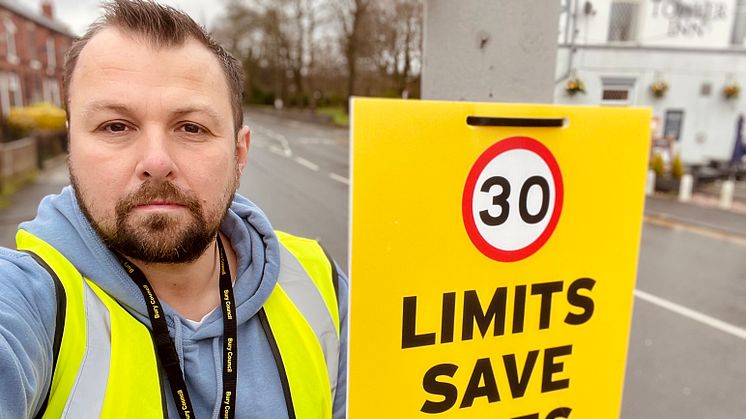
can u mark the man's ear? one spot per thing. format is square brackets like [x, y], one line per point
[243, 139]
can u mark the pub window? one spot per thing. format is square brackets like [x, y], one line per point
[623, 20]
[673, 124]
[739, 25]
[617, 91]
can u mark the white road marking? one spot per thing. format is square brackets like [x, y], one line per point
[316, 141]
[340, 179]
[285, 145]
[277, 150]
[306, 163]
[692, 314]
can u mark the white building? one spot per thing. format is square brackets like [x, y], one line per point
[619, 48]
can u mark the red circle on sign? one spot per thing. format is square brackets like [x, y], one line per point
[508, 144]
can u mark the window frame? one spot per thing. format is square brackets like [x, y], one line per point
[634, 22]
[667, 123]
[51, 53]
[10, 41]
[618, 84]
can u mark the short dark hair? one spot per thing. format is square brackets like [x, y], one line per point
[162, 26]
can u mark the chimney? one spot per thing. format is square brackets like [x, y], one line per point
[46, 9]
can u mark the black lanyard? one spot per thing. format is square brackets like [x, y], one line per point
[165, 345]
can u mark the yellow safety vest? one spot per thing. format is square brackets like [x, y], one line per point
[97, 341]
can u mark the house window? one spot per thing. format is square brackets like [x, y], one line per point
[673, 124]
[618, 91]
[10, 91]
[16, 95]
[52, 92]
[623, 20]
[37, 92]
[31, 40]
[10, 40]
[51, 53]
[4, 95]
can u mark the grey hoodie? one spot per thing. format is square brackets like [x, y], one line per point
[28, 309]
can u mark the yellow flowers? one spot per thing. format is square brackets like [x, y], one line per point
[574, 85]
[731, 90]
[659, 88]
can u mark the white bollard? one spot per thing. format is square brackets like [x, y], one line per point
[685, 188]
[726, 194]
[650, 185]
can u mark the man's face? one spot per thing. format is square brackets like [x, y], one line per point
[153, 155]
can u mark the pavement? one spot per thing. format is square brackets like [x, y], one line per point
[23, 203]
[701, 213]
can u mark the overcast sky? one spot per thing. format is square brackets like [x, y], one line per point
[78, 14]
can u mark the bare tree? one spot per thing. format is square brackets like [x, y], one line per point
[353, 16]
[397, 49]
[275, 37]
[238, 30]
[304, 51]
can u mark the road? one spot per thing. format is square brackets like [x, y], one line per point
[298, 173]
[687, 349]
[683, 363]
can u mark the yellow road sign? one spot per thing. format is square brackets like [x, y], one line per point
[494, 252]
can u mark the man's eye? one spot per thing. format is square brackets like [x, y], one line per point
[192, 128]
[115, 127]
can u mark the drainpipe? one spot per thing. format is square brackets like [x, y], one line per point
[572, 17]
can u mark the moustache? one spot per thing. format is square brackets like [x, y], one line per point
[160, 192]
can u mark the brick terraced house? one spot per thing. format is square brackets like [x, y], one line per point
[32, 50]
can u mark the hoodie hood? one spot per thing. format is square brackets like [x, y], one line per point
[61, 223]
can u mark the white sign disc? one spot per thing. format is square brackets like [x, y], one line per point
[512, 199]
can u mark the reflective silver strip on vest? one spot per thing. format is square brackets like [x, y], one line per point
[302, 291]
[89, 389]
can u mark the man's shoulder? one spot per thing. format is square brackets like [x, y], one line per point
[28, 299]
[19, 270]
[307, 251]
[288, 239]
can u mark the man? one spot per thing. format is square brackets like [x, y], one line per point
[149, 283]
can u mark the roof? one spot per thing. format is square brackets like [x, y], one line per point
[37, 17]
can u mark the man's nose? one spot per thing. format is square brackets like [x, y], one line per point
[156, 160]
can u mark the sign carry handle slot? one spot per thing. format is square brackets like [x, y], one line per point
[495, 121]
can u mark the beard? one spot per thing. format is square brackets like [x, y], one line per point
[159, 238]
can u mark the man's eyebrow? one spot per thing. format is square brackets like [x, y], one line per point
[205, 110]
[90, 109]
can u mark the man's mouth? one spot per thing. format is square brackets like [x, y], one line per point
[156, 205]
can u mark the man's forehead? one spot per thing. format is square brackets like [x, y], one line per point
[114, 45]
[113, 54]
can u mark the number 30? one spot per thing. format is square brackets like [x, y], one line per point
[501, 200]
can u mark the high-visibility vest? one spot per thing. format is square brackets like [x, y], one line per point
[105, 362]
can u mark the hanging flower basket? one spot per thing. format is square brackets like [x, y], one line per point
[574, 85]
[731, 91]
[659, 88]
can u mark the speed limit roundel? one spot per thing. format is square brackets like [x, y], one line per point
[512, 199]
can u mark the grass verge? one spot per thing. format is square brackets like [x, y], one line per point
[338, 114]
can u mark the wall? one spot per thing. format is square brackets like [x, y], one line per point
[489, 50]
[709, 121]
[700, 23]
[674, 23]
